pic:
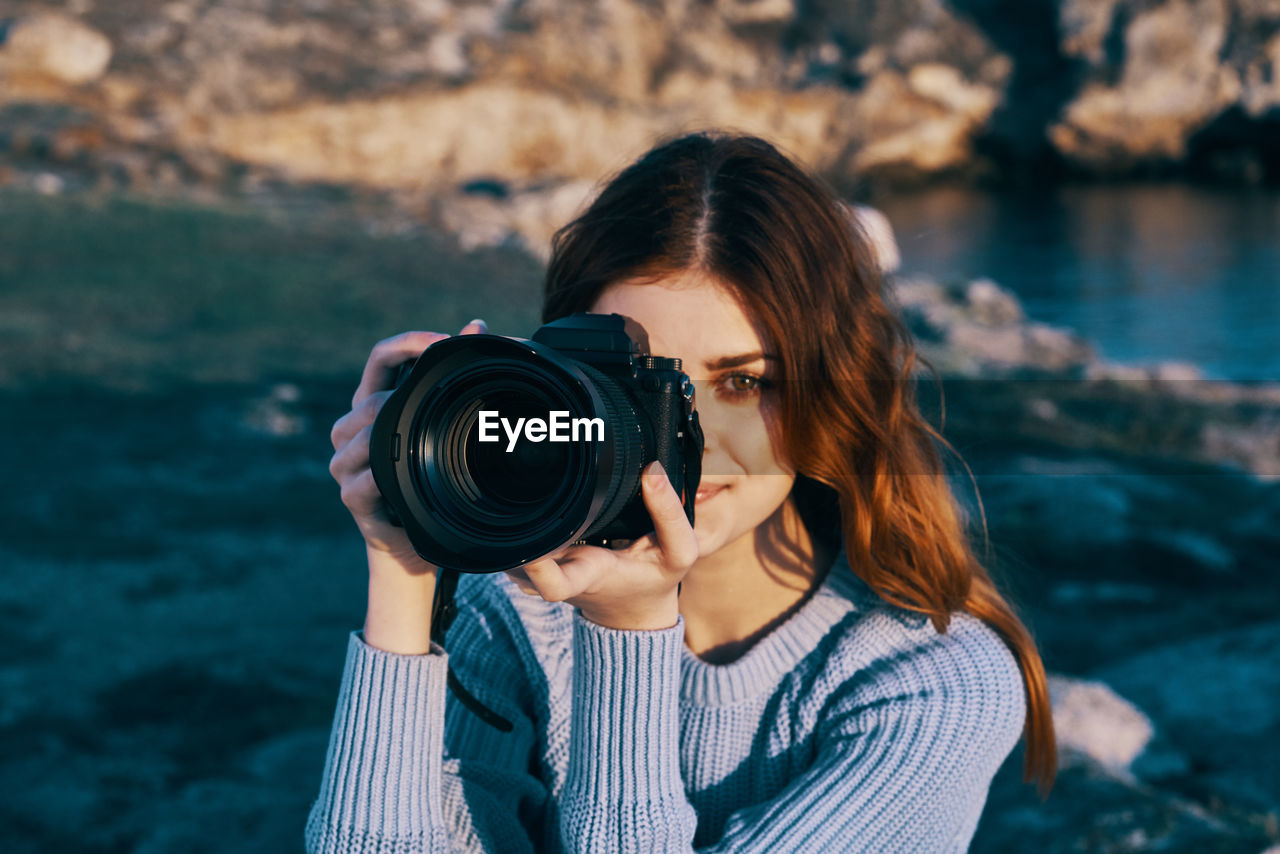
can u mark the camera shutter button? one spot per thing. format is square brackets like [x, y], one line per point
[650, 382]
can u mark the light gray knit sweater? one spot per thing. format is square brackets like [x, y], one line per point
[852, 727]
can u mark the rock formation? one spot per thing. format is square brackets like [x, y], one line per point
[428, 94]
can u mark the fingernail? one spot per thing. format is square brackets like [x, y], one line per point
[476, 321]
[655, 473]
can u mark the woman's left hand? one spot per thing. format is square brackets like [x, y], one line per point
[633, 588]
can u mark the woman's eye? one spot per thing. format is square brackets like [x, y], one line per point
[743, 385]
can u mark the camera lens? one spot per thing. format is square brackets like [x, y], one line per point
[483, 492]
[519, 475]
[498, 478]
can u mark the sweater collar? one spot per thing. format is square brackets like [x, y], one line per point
[840, 593]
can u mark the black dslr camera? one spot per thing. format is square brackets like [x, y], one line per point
[495, 451]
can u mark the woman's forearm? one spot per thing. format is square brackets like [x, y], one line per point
[399, 615]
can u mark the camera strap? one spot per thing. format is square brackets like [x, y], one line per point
[443, 610]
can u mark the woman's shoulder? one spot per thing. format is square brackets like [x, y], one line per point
[875, 630]
[884, 652]
[886, 632]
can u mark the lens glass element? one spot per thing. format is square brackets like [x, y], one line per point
[519, 471]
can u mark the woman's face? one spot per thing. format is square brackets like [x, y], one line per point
[691, 317]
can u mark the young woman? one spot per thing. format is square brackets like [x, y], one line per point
[820, 663]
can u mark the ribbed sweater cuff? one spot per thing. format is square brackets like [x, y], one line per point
[383, 770]
[625, 737]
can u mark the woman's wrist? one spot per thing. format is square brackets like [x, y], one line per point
[399, 613]
[643, 617]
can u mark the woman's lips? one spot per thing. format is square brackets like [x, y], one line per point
[705, 493]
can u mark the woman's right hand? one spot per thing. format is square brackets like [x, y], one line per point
[350, 437]
[399, 580]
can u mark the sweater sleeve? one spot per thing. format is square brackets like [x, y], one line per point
[623, 790]
[906, 750]
[408, 772]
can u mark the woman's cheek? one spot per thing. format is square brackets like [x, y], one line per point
[738, 510]
[718, 520]
[758, 452]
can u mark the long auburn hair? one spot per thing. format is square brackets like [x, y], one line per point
[737, 209]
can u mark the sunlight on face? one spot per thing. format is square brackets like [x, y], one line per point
[693, 318]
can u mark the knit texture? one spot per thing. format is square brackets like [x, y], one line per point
[854, 726]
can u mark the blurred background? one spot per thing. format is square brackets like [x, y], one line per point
[209, 212]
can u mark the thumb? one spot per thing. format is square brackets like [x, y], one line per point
[671, 526]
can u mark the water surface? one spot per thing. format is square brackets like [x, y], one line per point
[1148, 272]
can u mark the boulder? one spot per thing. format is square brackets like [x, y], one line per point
[54, 46]
[875, 227]
[525, 217]
[1159, 74]
[1092, 722]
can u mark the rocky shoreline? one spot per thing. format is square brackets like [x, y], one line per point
[419, 97]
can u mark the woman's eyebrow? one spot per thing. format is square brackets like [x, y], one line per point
[736, 361]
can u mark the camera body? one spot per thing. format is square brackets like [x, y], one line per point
[471, 504]
[663, 396]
